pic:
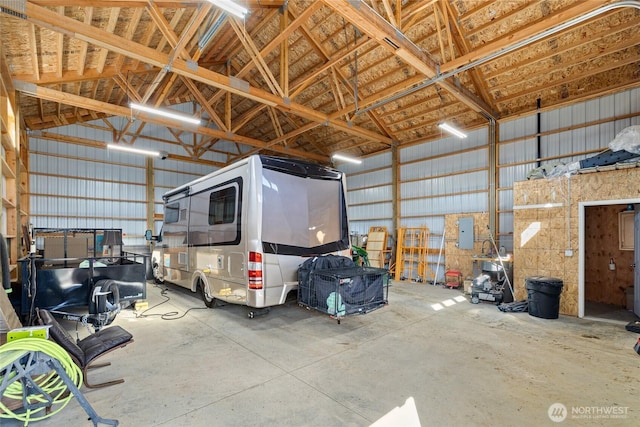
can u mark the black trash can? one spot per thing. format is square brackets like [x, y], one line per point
[543, 296]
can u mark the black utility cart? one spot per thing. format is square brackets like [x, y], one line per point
[80, 274]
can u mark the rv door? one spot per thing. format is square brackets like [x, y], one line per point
[174, 241]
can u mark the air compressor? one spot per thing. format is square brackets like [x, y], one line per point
[492, 284]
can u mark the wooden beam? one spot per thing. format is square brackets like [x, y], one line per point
[116, 110]
[55, 22]
[33, 41]
[111, 25]
[60, 48]
[204, 104]
[389, 11]
[368, 21]
[284, 52]
[256, 57]
[82, 54]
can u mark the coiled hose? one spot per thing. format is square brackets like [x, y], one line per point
[50, 382]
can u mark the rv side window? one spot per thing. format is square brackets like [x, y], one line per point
[171, 213]
[222, 206]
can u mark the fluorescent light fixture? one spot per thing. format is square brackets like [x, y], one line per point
[129, 149]
[346, 159]
[231, 7]
[165, 113]
[452, 130]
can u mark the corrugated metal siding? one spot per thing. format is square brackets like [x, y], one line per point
[76, 186]
[473, 181]
[379, 211]
[475, 139]
[369, 179]
[444, 165]
[369, 193]
[432, 173]
[464, 203]
[505, 200]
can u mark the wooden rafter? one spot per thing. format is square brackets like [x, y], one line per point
[60, 48]
[111, 25]
[284, 52]
[82, 54]
[203, 103]
[363, 17]
[257, 58]
[92, 104]
[34, 51]
[118, 44]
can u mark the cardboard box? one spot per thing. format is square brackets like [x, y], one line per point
[467, 286]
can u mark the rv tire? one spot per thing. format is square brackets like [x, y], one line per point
[210, 302]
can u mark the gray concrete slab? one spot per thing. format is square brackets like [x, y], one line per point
[462, 364]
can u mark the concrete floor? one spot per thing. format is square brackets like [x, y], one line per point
[461, 365]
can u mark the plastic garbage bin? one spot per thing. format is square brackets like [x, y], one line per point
[543, 296]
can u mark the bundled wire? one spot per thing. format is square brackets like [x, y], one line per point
[49, 382]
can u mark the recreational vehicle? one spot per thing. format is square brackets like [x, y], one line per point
[240, 233]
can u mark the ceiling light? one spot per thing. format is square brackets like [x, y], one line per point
[452, 130]
[346, 159]
[165, 113]
[129, 149]
[231, 7]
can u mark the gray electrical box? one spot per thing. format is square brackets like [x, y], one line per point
[465, 232]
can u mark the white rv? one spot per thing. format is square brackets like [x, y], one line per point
[240, 233]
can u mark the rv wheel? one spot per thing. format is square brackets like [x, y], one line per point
[208, 301]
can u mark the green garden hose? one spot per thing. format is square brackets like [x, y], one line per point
[50, 382]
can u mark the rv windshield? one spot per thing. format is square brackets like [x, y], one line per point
[302, 216]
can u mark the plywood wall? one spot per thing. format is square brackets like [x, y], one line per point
[546, 225]
[462, 259]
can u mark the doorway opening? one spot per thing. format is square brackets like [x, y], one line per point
[607, 266]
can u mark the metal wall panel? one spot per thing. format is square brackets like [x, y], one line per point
[75, 186]
[513, 129]
[511, 174]
[508, 153]
[367, 212]
[505, 200]
[444, 185]
[378, 161]
[368, 179]
[444, 165]
[463, 203]
[362, 226]
[475, 139]
[369, 195]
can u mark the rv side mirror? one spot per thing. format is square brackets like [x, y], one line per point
[148, 235]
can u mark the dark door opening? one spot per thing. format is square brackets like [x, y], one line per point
[609, 267]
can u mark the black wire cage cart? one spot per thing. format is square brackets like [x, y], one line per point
[341, 292]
